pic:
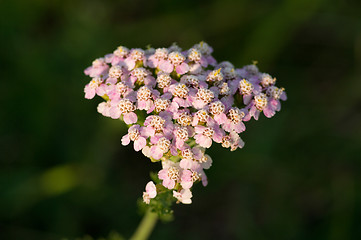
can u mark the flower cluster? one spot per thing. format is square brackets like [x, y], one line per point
[177, 103]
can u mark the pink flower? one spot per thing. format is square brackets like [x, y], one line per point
[175, 60]
[104, 108]
[237, 142]
[259, 104]
[159, 55]
[193, 81]
[194, 55]
[181, 94]
[269, 111]
[118, 90]
[160, 148]
[170, 176]
[276, 94]
[215, 76]
[195, 159]
[204, 135]
[115, 73]
[252, 112]
[204, 160]
[200, 116]
[91, 88]
[188, 159]
[150, 192]
[118, 56]
[141, 76]
[160, 104]
[266, 80]
[181, 134]
[137, 135]
[135, 56]
[145, 98]
[217, 110]
[164, 81]
[124, 107]
[232, 141]
[160, 124]
[203, 97]
[246, 89]
[234, 121]
[184, 196]
[188, 178]
[98, 68]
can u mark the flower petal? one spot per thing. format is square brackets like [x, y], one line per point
[139, 144]
[130, 118]
[125, 140]
[151, 189]
[182, 69]
[166, 66]
[156, 152]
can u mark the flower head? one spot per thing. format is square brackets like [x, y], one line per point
[176, 104]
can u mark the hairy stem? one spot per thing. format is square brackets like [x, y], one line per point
[146, 226]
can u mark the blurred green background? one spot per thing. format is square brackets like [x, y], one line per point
[64, 173]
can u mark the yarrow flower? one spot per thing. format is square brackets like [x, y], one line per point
[137, 135]
[176, 104]
[150, 192]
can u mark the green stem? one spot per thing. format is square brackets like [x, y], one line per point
[146, 226]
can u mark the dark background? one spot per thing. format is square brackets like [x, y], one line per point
[64, 173]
